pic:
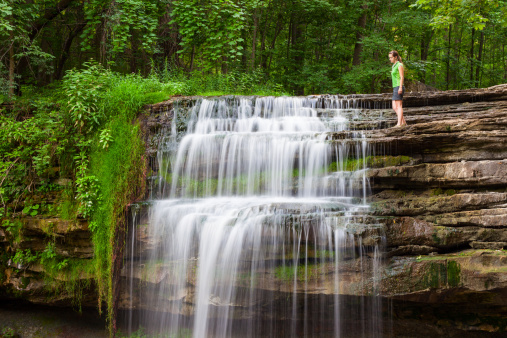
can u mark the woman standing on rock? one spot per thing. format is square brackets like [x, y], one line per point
[398, 88]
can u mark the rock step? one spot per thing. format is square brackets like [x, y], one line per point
[433, 202]
[489, 245]
[455, 175]
[405, 231]
[486, 218]
[418, 99]
[470, 271]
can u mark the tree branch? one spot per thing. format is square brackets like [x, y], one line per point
[49, 15]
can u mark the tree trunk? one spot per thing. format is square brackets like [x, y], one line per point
[244, 56]
[504, 61]
[374, 79]
[254, 38]
[132, 55]
[224, 65]
[278, 29]
[146, 64]
[66, 50]
[192, 56]
[448, 77]
[493, 53]
[358, 47]
[289, 38]
[472, 58]
[264, 59]
[170, 38]
[11, 66]
[297, 34]
[479, 59]
[457, 84]
[425, 48]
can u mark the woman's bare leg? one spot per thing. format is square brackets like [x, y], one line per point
[398, 108]
[395, 108]
[401, 121]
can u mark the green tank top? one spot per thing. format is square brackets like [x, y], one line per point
[395, 73]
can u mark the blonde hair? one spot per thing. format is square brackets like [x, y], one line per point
[395, 54]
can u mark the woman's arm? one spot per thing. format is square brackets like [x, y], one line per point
[402, 78]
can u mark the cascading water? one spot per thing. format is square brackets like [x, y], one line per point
[257, 227]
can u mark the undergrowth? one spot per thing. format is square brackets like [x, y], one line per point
[234, 82]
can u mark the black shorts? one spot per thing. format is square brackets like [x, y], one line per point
[396, 96]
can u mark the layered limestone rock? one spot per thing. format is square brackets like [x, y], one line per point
[439, 200]
[34, 242]
[445, 212]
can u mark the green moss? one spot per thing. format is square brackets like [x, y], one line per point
[332, 167]
[349, 164]
[324, 254]
[285, 272]
[119, 170]
[166, 176]
[352, 164]
[436, 275]
[436, 192]
[303, 272]
[117, 165]
[195, 188]
[48, 228]
[387, 161]
[69, 275]
[435, 237]
[450, 192]
[453, 273]
[441, 273]
[466, 253]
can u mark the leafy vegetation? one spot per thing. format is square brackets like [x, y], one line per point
[77, 145]
[308, 46]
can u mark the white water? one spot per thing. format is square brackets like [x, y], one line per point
[257, 224]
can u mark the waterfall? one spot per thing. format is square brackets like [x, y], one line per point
[257, 225]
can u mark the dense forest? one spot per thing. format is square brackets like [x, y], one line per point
[305, 46]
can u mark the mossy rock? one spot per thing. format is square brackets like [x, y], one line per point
[352, 164]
